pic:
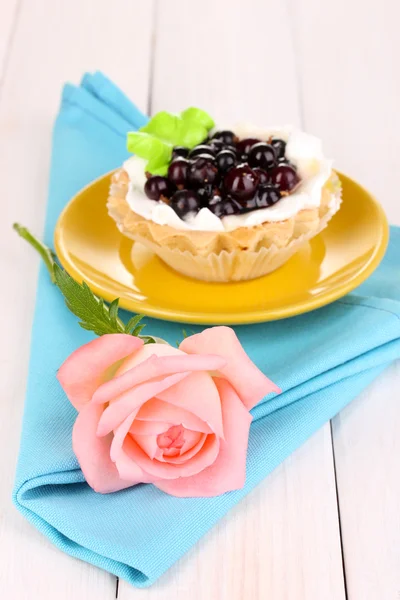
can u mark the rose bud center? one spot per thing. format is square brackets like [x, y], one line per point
[172, 440]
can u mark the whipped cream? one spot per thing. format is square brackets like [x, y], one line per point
[302, 149]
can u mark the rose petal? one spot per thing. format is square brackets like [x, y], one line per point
[163, 470]
[93, 453]
[120, 434]
[148, 427]
[127, 468]
[85, 369]
[228, 472]
[188, 455]
[168, 413]
[197, 394]
[249, 382]
[191, 439]
[132, 400]
[132, 374]
[148, 444]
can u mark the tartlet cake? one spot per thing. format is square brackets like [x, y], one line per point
[235, 206]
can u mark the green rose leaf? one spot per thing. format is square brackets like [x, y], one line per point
[196, 115]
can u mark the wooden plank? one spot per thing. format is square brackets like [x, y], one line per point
[349, 59]
[367, 450]
[280, 542]
[223, 57]
[9, 15]
[283, 540]
[53, 42]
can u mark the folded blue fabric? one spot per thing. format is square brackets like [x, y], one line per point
[321, 360]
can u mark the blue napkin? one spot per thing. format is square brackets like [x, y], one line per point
[321, 360]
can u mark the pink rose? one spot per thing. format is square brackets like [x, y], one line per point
[154, 414]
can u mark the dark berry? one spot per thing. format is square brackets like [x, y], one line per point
[157, 186]
[285, 177]
[263, 176]
[241, 182]
[225, 160]
[262, 155]
[179, 151]
[202, 149]
[231, 207]
[177, 171]
[205, 193]
[209, 157]
[215, 199]
[279, 146]
[267, 195]
[226, 137]
[217, 208]
[284, 161]
[184, 202]
[202, 171]
[231, 149]
[244, 146]
[249, 204]
[217, 145]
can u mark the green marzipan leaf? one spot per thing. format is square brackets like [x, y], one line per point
[199, 116]
[93, 314]
[154, 141]
[162, 170]
[192, 134]
[164, 126]
[148, 146]
[156, 151]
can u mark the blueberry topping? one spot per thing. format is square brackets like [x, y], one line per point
[225, 160]
[262, 155]
[263, 176]
[179, 151]
[209, 157]
[267, 195]
[205, 193]
[202, 149]
[244, 146]
[184, 202]
[279, 147]
[157, 186]
[177, 171]
[249, 205]
[227, 137]
[202, 171]
[227, 175]
[231, 207]
[216, 206]
[285, 177]
[241, 182]
[217, 144]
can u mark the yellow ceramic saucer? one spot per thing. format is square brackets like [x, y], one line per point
[90, 248]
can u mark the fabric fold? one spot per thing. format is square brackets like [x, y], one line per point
[321, 360]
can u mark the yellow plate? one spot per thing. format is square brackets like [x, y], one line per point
[91, 248]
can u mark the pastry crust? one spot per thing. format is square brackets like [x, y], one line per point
[243, 253]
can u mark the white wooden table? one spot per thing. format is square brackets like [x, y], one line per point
[326, 524]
